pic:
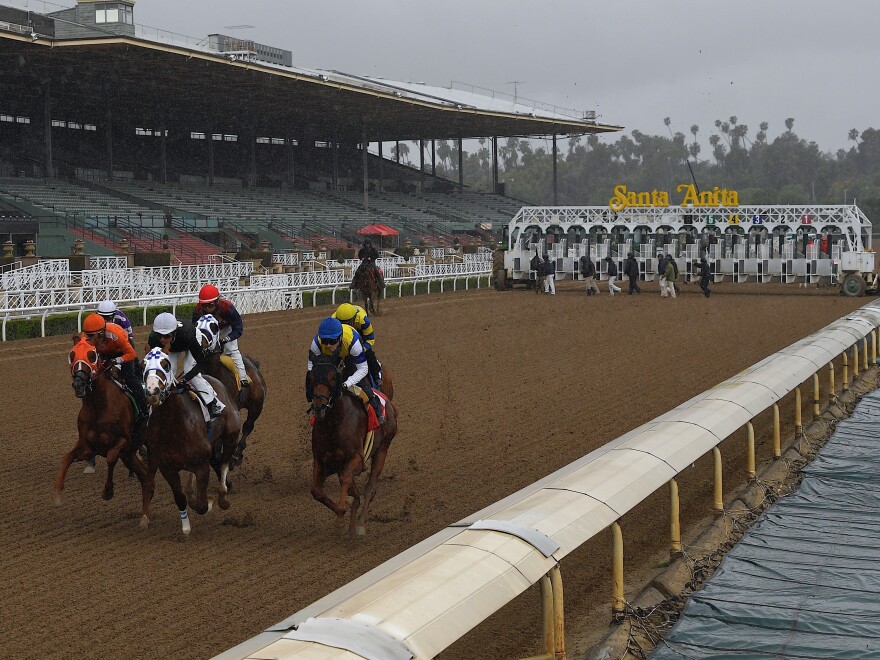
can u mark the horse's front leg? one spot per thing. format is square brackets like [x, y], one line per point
[372, 484]
[318, 479]
[172, 476]
[354, 467]
[355, 505]
[112, 457]
[147, 489]
[75, 454]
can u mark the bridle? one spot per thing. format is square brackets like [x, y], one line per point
[84, 371]
[325, 366]
[157, 364]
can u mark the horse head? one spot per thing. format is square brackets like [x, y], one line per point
[83, 360]
[326, 381]
[158, 376]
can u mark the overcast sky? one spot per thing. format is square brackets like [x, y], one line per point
[632, 61]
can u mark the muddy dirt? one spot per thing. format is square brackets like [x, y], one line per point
[495, 390]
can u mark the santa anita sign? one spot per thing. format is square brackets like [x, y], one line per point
[624, 198]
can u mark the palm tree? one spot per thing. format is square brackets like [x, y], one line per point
[854, 135]
[789, 123]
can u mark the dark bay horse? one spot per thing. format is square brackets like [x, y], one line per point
[339, 434]
[366, 283]
[178, 439]
[250, 398]
[105, 422]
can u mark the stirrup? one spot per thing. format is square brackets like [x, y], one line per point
[245, 383]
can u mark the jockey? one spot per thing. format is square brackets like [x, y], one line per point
[342, 341]
[231, 326]
[368, 255]
[182, 338]
[111, 343]
[357, 318]
[112, 314]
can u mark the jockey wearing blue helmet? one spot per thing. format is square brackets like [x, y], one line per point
[343, 342]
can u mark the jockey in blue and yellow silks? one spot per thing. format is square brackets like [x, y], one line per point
[357, 318]
[344, 342]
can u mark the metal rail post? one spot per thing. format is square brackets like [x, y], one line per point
[750, 452]
[865, 353]
[618, 602]
[874, 346]
[718, 491]
[798, 420]
[553, 616]
[855, 349]
[777, 442]
[816, 411]
[674, 520]
[832, 395]
[558, 612]
[844, 386]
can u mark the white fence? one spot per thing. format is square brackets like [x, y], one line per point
[261, 296]
[422, 601]
[100, 263]
[286, 258]
[46, 274]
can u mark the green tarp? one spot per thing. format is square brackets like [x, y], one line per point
[804, 582]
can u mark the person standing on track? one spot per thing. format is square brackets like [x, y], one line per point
[670, 275]
[631, 270]
[705, 274]
[588, 272]
[612, 276]
[549, 275]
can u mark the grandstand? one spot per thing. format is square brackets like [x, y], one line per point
[224, 152]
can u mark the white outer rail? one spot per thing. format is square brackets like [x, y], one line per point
[432, 594]
[250, 300]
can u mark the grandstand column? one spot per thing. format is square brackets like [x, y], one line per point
[555, 180]
[108, 134]
[381, 175]
[433, 157]
[335, 163]
[210, 137]
[252, 156]
[365, 168]
[164, 153]
[47, 127]
[290, 159]
[495, 165]
[421, 165]
[460, 166]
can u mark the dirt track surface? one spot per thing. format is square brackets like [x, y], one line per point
[495, 390]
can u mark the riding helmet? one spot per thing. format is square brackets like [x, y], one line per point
[165, 323]
[330, 328]
[208, 294]
[94, 323]
[106, 308]
[346, 312]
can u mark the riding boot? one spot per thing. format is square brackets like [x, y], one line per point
[374, 401]
[375, 369]
[216, 408]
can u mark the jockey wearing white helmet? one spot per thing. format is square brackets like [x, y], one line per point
[178, 338]
[108, 310]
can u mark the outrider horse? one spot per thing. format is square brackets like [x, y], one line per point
[105, 422]
[339, 433]
[177, 438]
[249, 398]
[367, 284]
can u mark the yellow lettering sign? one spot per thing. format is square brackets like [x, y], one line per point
[624, 198]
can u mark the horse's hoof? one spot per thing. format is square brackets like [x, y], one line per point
[56, 500]
[107, 494]
[89, 469]
[360, 530]
[144, 523]
[186, 531]
[224, 503]
[210, 506]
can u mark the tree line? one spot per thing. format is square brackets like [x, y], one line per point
[785, 170]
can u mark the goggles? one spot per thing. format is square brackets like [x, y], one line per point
[328, 341]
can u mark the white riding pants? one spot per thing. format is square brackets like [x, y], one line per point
[230, 348]
[612, 287]
[550, 284]
[198, 382]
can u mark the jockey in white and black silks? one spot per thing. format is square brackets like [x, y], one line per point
[231, 325]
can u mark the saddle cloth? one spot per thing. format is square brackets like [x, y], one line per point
[195, 397]
[227, 362]
[372, 420]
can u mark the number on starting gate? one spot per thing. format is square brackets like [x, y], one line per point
[734, 219]
[710, 220]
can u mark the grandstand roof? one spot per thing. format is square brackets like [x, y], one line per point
[151, 81]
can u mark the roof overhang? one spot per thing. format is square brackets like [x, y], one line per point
[151, 83]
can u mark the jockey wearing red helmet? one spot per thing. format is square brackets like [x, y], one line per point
[231, 326]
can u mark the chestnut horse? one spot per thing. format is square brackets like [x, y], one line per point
[339, 432]
[249, 398]
[105, 422]
[366, 283]
[178, 439]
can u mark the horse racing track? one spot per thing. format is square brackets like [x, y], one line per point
[495, 390]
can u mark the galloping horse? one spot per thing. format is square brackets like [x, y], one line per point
[366, 283]
[105, 422]
[339, 434]
[249, 398]
[178, 439]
